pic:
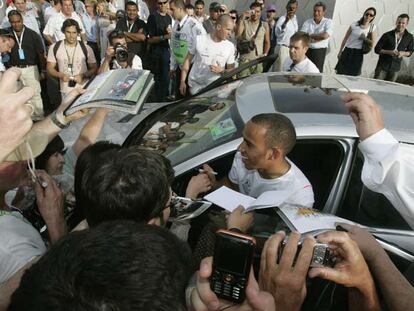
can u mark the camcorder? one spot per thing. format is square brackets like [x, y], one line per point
[321, 257]
[71, 82]
[121, 53]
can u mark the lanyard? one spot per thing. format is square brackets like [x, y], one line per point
[70, 63]
[397, 41]
[19, 41]
[130, 26]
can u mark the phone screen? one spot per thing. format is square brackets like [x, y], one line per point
[232, 254]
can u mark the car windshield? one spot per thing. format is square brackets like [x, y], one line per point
[196, 125]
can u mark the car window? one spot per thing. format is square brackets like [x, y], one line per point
[196, 125]
[368, 207]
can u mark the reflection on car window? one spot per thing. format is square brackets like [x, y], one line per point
[197, 125]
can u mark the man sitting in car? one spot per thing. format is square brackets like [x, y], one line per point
[261, 164]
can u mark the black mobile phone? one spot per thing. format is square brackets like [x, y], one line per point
[233, 255]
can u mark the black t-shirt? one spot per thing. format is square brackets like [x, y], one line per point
[134, 47]
[157, 26]
[32, 47]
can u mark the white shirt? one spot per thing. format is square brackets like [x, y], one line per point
[305, 66]
[389, 169]
[353, 41]
[19, 244]
[190, 29]
[283, 35]
[206, 53]
[251, 183]
[311, 27]
[54, 25]
[136, 63]
[49, 12]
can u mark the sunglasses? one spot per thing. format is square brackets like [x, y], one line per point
[233, 17]
[162, 3]
[369, 14]
[222, 11]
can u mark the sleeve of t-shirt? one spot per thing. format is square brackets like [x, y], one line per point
[305, 27]
[193, 47]
[329, 27]
[91, 55]
[234, 174]
[232, 56]
[197, 30]
[136, 62]
[48, 28]
[152, 26]
[50, 55]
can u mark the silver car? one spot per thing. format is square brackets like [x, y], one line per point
[207, 128]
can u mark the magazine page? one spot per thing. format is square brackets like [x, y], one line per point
[229, 199]
[185, 208]
[121, 87]
[309, 220]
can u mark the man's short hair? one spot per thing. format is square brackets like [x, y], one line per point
[189, 6]
[118, 265]
[129, 3]
[61, 1]
[178, 3]
[255, 5]
[322, 4]
[115, 34]
[199, 2]
[6, 33]
[280, 130]
[14, 1]
[404, 15]
[290, 2]
[223, 19]
[214, 6]
[301, 36]
[13, 13]
[130, 184]
[69, 23]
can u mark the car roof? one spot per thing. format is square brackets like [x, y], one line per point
[313, 101]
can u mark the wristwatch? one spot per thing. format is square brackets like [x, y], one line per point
[58, 122]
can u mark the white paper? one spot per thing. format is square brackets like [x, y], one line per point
[229, 199]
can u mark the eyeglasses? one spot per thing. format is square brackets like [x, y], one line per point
[162, 2]
[369, 14]
[222, 11]
[233, 17]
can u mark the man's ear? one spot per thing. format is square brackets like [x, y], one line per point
[275, 153]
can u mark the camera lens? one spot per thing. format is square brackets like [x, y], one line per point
[121, 54]
[71, 83]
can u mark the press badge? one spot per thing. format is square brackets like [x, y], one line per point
[21, 54]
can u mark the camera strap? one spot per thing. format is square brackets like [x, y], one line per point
[71, 61]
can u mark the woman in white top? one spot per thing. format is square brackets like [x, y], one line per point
[350, 59]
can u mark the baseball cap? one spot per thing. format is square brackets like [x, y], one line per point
[271, 7]
[214, 6]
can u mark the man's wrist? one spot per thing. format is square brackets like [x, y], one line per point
[59, 120]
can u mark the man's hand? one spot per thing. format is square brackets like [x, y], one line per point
[368, 245]
[198, 184]
[183, 88]
[65, 77]
[109, 53]
[285, 281]
[79, 78]
[240, 220]
[204, 299]
[216, 68]
[351, 270]
[50, 203]
[15, 116]
[365, 112]
[211, 174]
[67, 101]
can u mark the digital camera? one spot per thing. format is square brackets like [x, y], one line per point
[121, 53]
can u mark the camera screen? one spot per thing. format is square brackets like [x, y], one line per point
[231, 255]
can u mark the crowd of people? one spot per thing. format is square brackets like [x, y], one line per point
[183, 46]
[87, 227]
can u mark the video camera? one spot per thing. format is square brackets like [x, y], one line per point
[121, 53]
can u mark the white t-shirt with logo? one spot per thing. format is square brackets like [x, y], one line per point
[206, 53]
[251, 183]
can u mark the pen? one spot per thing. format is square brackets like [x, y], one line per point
[200, 170]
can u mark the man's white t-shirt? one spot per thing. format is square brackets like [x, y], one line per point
[305, 66]
[53, 27]
[251, 183]
[207, 52]
[311, 27]
[19, 244]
